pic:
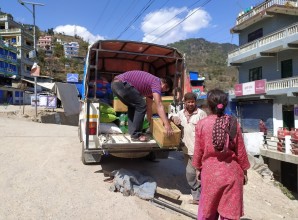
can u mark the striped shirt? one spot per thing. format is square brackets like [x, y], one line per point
[144, 82]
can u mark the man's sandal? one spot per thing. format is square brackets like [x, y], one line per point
[141, 138]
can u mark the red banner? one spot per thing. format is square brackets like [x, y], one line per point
[250, 88]
[238, 90]
[260, 86]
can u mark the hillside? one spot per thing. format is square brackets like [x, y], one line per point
[57, 66]
[201, 55]
[211, 60]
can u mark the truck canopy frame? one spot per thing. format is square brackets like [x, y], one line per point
[108, 58]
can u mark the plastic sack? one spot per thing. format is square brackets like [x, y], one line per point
[104, 117]
[109, 128]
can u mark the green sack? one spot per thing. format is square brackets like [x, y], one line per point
[145, 124]
[106, 118]
[105, 108]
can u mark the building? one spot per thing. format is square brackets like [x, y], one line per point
[8, 59]
[71, 49]
[21, 37]
[45, 43]
[267, 61]
[8, 72]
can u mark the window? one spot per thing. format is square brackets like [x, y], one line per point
[255, 74]
[286, 68]
[255, 35]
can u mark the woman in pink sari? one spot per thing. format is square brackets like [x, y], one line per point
[221, 162]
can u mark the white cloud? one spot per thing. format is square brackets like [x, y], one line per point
[80, 31]
[167, 26]
[197, 20]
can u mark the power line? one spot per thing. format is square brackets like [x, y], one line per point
[173, 17]
[101, 14]
[145, 22]
[171, 28]
[129, 9]
[107, 18]
[136, 17]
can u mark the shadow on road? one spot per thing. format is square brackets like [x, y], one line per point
[168, 173]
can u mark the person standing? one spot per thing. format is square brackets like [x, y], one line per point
[131, 87]
[263, 129]
[221, 161]
[188, 118]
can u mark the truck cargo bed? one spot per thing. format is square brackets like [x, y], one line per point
[123, 143]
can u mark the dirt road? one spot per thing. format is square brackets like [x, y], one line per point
[42, 177]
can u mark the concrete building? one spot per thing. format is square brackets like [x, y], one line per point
[71, 49]
[8, 72]
[20, 36]
[267, 61]
[45, 43]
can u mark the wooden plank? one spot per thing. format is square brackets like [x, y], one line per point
[167, 193]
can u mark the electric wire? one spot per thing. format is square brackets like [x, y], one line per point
[174, 26]
[133, 33]
[101, 14]
[130, 8]
[173, 17]
[136, 18]
[108, 19]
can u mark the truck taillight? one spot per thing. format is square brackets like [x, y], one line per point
[92, 128]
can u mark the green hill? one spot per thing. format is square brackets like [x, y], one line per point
[211, 60]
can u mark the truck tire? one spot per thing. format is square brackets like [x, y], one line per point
[162, 154]
[157, 155]
[88, 159]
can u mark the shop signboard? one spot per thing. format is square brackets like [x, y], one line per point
[250, 88]
[52, 102]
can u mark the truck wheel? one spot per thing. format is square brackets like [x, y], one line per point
[151, 156]
[157, 155]
[88, 159]
[162, 154]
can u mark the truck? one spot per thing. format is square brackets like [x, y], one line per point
[106, 59]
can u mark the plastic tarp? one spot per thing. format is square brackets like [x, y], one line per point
[253, 141]
[68, 94]
[131, 182]
[46, 85]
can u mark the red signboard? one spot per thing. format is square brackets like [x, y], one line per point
[238, 90]
[250, 88]
[260, 86]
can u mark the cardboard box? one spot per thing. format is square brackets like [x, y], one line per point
[118, 105]
[160, 136]
[166, 101]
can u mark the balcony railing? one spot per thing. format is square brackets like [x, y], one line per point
[278, 35]
[5, 17]
[12, 30]
[257, 9]
[282, 84]
[274, 85]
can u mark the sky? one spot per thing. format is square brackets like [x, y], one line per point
[156, 21]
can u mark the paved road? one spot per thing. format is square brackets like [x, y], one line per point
[42, 177]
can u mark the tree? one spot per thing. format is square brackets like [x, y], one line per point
[51, 31]
[58, 50]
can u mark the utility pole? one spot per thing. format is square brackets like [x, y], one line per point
[34, 42]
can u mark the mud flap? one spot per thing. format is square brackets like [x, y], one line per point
[90, 158]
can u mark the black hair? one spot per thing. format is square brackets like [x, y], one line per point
[190, 96]
[168, 80]
[217, 101]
